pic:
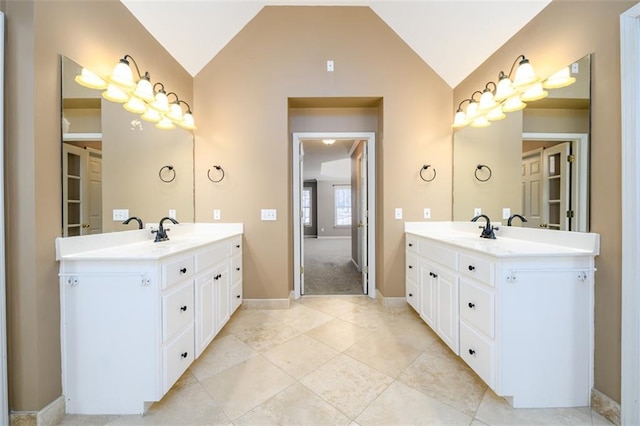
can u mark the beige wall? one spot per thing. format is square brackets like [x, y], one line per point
[37, 33]
[550, 41]
[243, 91]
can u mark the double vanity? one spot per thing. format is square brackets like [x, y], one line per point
[135, 313]
[517, 309]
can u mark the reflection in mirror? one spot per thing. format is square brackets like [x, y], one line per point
[539, 159]
[112, 161]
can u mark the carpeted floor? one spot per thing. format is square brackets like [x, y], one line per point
[328, 268]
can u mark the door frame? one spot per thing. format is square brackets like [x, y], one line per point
[370, 138]
[630, 324]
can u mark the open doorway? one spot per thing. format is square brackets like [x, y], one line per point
[333, 213]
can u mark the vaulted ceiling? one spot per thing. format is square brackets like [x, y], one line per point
[432, 28]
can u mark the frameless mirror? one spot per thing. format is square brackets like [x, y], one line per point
[115, 165]
[534, 163]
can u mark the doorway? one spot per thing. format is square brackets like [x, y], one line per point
[345, 234]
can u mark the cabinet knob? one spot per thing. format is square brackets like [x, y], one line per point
[237, 269]
[435, 275]
[410, 294]
[472, 352]
[237, 245]
[472, 268]
[184, 354]
[183, 308]
[471, 305]
[238, 296]
[183, 270]
[410, 245]
[410, 267]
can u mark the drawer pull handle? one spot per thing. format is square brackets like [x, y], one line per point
[238, 296]
[472, 268]
[183, 308]
[184, 354]
[217, 277]
[471, 305]
[472, 352]
[434, 275]
[183, 270]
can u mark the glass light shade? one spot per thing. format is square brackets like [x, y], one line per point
[328, 141]
[161, 102]
[514, 103]
[460, 120]
[472, 111]
[135, 105]
[115, 94]
[175, 112]
[90, 80]
[122, 75]
[188, 122]
[560, 79]
[487, 101]
[495, 114]
[480, 122]
[525, 74]
[504, 89]
[144, 90]
[165, 124]
[534, 93]
[151, 115]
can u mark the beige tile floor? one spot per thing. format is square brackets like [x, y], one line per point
[333, 360]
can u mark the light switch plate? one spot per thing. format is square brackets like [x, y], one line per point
[427, 213]
[506, 212]
[216, 214]
[172, 213]
[477, 211]
[268, 214]
[398, 213]
[120, 214]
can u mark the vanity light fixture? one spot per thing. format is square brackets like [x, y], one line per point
[487, 101]
[559, 79]
[139, 96]
[460, 119]
[534, 93]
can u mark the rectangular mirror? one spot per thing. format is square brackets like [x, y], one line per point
[534, 163]
[116, 165]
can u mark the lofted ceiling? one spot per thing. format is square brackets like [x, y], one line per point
[452, 36]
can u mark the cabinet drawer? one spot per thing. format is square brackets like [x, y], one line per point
[236, 296]
[413, 295]
[176, 358]
[478, 353]
[236, 246]
[212, 256]
[412, 267]
[177, 270]
[479, 269]
[412, 243]
[177, 310]
[477, 307]
[439, 254]
[236, 269]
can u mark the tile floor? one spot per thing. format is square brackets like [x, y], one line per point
[333, 360]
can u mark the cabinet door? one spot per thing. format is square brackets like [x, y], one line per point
[205, 311]
[447, 308]
[222, 283]
[427, 293]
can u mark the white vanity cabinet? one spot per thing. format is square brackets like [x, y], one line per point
[519, 311]
[134, 317]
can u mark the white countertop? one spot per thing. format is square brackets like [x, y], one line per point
[510, 241]
[140, 245]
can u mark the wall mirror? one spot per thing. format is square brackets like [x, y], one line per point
[115, 165]
[534, 163]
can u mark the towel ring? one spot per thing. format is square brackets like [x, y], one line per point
[170, 169]
[425, 167]
[218, 168]
[480, 167]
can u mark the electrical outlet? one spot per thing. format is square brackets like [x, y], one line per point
[506, 212]
[330, 66]
[172, 213]
[427, 213]
[120, 215]
[575, 68]
[216, 214]
[477, 211]
[268, 214]
[398, 213]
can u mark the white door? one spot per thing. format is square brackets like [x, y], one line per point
[532, 188]
[364, 220]
[94, 203]
[74, 190]
[556, 189]
[300, 216]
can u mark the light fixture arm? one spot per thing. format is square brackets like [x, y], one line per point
[473, 94]
[177, 99]
[460, 104]
[161, 88]
[519, 59]
[188, 107]
[146, 74]
[495, 87]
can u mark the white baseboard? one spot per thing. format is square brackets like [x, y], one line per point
[52, 414]
[605, 406]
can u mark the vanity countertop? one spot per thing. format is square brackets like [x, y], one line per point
[510, 241]
[139, 244]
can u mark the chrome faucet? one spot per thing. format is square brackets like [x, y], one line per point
[522, 218]
[126, 222]
[487, 230]
[161, 233]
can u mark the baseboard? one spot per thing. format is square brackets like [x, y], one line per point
[605, 406]
[52, 414]
[266, 303]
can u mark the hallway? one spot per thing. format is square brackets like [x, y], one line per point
[333, 360]
[328, 268]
